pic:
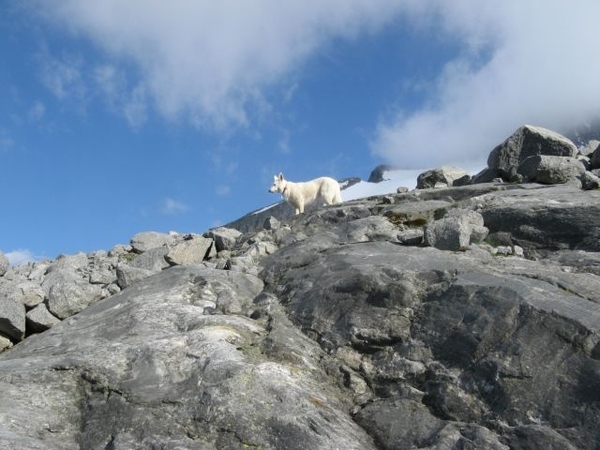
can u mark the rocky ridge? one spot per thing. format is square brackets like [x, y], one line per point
[464, 316]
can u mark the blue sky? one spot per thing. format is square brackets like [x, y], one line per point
[121, 117]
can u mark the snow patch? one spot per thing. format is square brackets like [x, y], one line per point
[392, 180]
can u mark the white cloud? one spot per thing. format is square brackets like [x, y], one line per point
[532, 61]
[6, 141]
[207, 62]
[284, 142]
[19, 257]
[64, 78]
[114, 87]
[171, 206]
[37, 111]
[223, 190]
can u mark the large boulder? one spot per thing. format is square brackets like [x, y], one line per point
[588, 149]
[12, 316]
[151, 368]
[128, 274]
[148, 240]
[527, 141]
[67, 287]
[40, 319]
[441, 177]
[224, 238]
[193, 250]
[545, 217]
[153, 260]
[377, 175]
[548, 169]
[29, 293]
[456, 231]
[595, 155]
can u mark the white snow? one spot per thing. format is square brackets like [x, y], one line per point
[265, 208]
[392, 180]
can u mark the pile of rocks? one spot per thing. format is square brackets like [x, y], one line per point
[453, 317]
[37, 296]
[537, 155]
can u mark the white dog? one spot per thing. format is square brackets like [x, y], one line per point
[300, 194]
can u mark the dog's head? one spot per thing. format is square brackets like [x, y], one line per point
[278, 184]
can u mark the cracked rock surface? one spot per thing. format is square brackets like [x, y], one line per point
[336, 329]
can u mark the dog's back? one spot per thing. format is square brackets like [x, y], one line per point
[329, 190]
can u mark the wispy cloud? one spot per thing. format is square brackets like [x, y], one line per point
[521, 62]
[37, 111]
[19, 257]
[284, 142]
[223, 190]
[171, 206]
[6, 141]
[64, 77]
[131, 103]
[209, 63]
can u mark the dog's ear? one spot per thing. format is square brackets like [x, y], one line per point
[280, 176]
[275, 178]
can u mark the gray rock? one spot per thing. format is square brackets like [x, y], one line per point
[68, 295]
[68, 263]
[547, 169]
[128, 274]
[191, 251]
[38, 271]
[12, 316]
[67, 287]
[536, 437]
[4, 264]
[377, 174]
[525, 142]
[589, 181]
[224, 238]
[553, 217]
[399, 421]
[411, 236]
[154, 260]
[40, 319]
[259, 249]
[595, 155]
[102, 268]
[148, 240]
[374, 297]
[440, 177]
[457, 231]
[589, 148]
[31, 294]
[120, 250]
[243, 264]
[486, 175]
[271, 223]
[147, 368]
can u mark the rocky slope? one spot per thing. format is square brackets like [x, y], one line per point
[459, 317]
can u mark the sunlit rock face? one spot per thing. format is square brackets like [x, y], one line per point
[441, 318]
